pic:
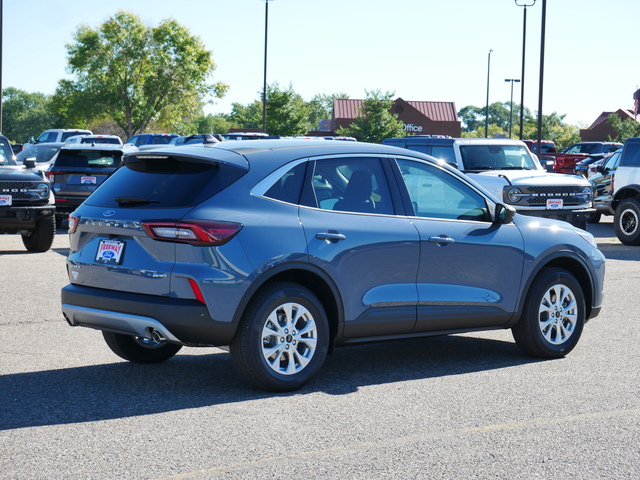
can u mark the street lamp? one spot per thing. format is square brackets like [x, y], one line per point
[264, 82]
[525, 4]
[540, 87]
[511, 105]
[486, 113]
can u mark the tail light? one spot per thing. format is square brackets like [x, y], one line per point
[51, 175]
[194, 232]
[73, 223]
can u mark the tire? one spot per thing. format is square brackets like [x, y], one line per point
[41, 238]
[626, 221]
[138, 349]
[553, 315]
[283, 338]
[594, 217]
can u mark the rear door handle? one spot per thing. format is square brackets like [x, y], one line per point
[441, 240]
[330, 236]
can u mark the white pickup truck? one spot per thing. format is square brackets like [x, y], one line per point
[508, 170]
[626, 194]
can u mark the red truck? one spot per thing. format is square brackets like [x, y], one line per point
[565, 161]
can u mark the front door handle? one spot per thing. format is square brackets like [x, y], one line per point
[331, 236]
[441, 240]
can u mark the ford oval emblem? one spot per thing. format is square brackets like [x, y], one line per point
[109, 213]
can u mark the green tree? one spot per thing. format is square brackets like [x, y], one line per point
[287, 113]
[321, 106]
[375, 121]
[212, 124]
[624, 128]
[473, 118]
[25, 114]
[134, 73]
[246, 117]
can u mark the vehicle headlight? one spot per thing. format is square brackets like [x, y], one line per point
[42, 190]
[586, 193]
[514, 195]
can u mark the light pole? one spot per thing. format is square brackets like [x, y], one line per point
[264, 82]
[517, 80]
[525, 4]
[486, 112]
[542, 36]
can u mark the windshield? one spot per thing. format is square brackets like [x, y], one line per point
[497, 157]
[42, 153]
[6, 153]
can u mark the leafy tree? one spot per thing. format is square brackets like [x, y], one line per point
[287, 113]
[321, 106]
[212, 124]
[25, 114]
[473, 118]
[624, 128]
[246, 117]
[134, 73]
[375, 122]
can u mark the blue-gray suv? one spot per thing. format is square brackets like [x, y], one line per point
[284, 249]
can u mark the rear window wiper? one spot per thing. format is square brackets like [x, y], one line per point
[128, 201]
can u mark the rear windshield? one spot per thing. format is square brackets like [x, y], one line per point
[89, 158]
[115, 141]
[164, 183]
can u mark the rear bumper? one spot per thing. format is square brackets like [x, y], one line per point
[177, 320]
[18, 219]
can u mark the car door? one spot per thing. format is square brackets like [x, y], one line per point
[470, 269]
[353, 235]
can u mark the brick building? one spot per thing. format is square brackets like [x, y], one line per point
[426, 118]
[601, 130]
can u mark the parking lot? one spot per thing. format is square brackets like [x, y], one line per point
[456, 407]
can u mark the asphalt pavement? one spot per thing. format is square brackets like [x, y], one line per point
[457, 407]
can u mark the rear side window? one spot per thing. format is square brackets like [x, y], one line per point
[164, 183]
[88, 158]
[631, 154]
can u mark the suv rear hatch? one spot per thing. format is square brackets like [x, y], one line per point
[127, 235]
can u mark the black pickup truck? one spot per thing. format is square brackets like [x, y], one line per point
[27, 204]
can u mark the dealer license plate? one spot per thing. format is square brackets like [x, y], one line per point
[554, 204]
[110, 251]
[5, 200]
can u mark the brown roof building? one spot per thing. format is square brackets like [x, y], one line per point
[601, 130]
[425, 118]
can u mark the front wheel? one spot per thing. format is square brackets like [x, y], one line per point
[41, 238]
[626, 221]
[139, 349]
[283, 338]
[553, 315]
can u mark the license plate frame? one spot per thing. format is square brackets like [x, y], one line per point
[6, 200]
[110, 252]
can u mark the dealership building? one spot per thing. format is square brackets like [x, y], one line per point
[419, 118]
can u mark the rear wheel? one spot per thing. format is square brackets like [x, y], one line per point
[41, 238]
[283, 339]
[626, 221]
[139, 349]
[553, 315]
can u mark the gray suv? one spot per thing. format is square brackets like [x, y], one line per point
[285, 249]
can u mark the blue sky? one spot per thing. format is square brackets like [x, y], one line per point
[420, 49]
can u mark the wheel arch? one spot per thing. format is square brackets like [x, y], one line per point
[309, 277]
[572, 264]
[628, 191]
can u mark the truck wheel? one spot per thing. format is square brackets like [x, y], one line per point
[283, 338]
[138, 349]
[41, 238]
[553, 315]
[626, 221]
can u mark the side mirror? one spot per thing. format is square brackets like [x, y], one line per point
[503, 214]
[32, 139]
[30, 162]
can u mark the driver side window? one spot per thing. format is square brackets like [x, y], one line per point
[436, 194]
